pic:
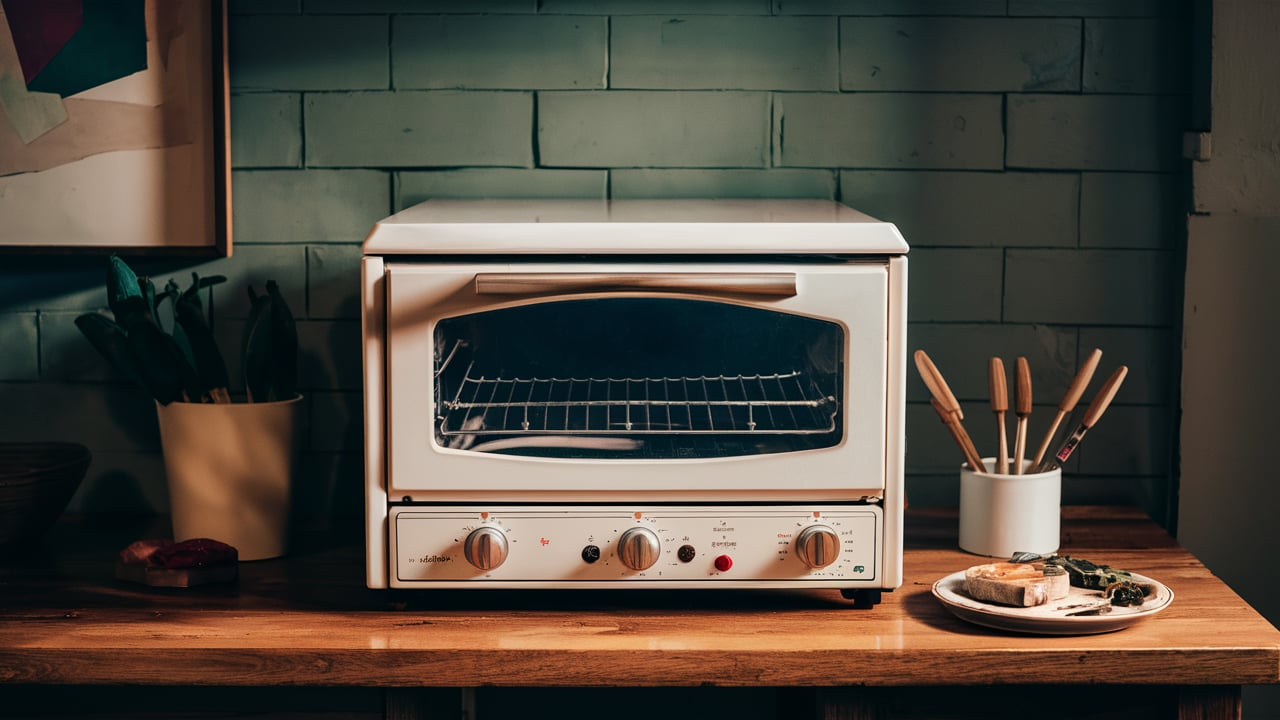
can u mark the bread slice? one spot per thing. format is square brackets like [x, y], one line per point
[1016, 584]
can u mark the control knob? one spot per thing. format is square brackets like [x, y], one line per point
[638, 548]
[485, 548]
[818, 546]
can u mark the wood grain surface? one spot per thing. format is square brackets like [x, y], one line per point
[307, 620]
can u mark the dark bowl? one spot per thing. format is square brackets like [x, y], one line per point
[37, 481]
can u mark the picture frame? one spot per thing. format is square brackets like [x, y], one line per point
[107, 147]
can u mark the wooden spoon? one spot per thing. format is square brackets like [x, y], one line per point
[937, 385]
[960, 436]
[999, 387]
[1022, 408]
[1099, 405]
[948, 408]
[1069, 400]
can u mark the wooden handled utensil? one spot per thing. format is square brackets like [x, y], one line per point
[938, 387]
[1021, 408]
[1091, 415]
[948, 408]
[999, 387]
[959, 435]
[1068, 403]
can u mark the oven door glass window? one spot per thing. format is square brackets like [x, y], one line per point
[637, 377]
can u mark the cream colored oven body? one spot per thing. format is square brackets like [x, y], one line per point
[598, 464]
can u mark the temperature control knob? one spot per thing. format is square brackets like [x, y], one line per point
[638, 548]
[818, 546]
[485, 548]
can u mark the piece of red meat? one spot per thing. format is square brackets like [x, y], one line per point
[194, 553]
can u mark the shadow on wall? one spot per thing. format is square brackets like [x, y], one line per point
[49, 283]
[119, 491]
[331, 496]
[78, 282]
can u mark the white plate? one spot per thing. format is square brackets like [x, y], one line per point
[1054, 618]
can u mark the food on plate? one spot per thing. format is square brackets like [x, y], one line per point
[1087, 575]
[1016, 584]
[1127, 593]
[165, 563]
[1118, 586]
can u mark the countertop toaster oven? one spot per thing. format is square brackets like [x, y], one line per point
[634, 394]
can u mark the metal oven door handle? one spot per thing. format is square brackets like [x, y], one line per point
[775, 284]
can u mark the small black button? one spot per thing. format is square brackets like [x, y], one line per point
[591, 553]
[686, 553]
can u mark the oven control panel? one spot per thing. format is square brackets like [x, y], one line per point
[567, 546]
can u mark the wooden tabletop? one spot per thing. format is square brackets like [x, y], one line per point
[309, 620]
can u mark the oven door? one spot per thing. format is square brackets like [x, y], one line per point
[576, 382]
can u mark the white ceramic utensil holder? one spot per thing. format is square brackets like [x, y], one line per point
[1004, 514]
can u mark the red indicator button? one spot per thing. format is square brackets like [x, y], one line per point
[723, 563]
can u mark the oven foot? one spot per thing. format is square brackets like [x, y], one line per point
[862, 598]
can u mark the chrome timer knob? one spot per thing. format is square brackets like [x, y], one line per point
[818, 546]
[638, 548]
[485, 548]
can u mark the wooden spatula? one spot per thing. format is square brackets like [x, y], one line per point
[960, 436]
[1098, 406]
[1022, 408]
[999, 387]
[1069, 400]
[948, 408]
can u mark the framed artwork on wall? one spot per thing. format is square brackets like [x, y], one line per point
[114, 132]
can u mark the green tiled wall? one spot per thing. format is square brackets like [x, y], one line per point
[629, 128]
[417, 128]
[699, 52]
[1122, 133]
[933, 54]
[1028, 149]
[555, 51]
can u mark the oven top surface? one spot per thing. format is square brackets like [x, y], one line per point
[745, 227]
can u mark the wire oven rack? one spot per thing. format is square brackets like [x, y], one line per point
[779, 403]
